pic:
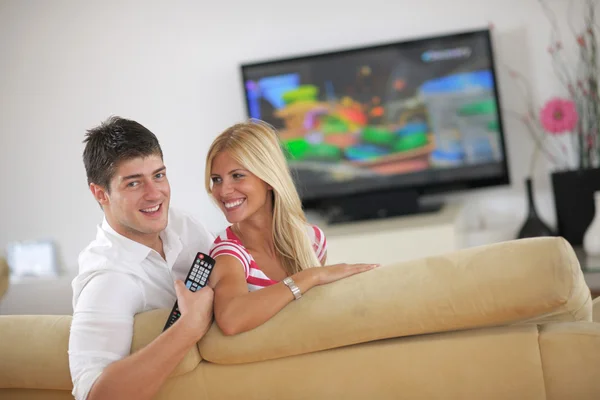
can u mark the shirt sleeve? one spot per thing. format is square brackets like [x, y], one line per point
[102, 327]
[232, 248]
[319, 243]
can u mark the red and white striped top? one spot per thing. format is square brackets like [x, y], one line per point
[227, 243]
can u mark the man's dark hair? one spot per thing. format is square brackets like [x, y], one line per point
[113, 141]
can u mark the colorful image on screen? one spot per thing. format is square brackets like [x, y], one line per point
[381, 112]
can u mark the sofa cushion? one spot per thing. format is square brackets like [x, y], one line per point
[528, 280]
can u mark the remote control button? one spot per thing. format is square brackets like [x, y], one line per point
[188, 284]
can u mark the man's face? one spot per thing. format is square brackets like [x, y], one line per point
[137, 205]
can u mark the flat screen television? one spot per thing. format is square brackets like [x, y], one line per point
[368, 131]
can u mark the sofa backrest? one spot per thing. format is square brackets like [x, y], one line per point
[529, 280]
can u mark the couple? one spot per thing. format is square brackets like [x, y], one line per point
[143, 250]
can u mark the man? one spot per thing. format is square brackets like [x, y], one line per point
[141, 248]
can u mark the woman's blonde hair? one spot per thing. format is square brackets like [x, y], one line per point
[255, 146]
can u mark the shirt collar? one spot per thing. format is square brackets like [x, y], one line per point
[172, 244]
[133, 250]
[137, 252]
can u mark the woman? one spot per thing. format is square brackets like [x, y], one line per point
[265, 259]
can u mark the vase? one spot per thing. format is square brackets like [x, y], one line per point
[574, 202]
[591, 238]
[533, 225]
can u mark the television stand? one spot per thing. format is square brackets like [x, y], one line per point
[392, 240]
[375, 206]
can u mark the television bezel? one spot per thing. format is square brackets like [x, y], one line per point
[422, 189]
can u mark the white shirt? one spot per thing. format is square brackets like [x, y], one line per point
[119, 278]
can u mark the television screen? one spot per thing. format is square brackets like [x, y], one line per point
[416, 114]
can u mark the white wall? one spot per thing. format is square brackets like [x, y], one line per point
[173, 66]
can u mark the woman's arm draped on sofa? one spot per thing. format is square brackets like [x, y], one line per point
[101, 336]
[237, 310]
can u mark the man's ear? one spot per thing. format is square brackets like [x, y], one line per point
[99, 193]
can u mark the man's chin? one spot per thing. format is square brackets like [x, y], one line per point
[154, 226]
[160, 225]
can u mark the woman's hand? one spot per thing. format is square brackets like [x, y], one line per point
[330, 273]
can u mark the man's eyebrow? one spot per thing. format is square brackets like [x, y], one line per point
[135, 176]
[159, 170]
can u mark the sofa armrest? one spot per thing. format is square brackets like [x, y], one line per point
[4, 276]
[596, 308]
[504, 283]
[33, 352]
[34, 349]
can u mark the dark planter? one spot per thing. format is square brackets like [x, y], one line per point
[533, 225]
[574, 201]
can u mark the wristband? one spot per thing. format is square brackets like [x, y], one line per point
[289, 282]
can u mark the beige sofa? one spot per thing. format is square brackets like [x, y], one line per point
[505, 321]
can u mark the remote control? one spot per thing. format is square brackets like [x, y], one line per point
[196, 280]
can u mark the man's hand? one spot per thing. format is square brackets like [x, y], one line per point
[136, 376]
[196, 308]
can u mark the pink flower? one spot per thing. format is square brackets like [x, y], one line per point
[559, 116]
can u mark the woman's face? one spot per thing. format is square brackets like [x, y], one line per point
[239, 193]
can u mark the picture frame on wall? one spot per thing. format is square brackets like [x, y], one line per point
[35, 258]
